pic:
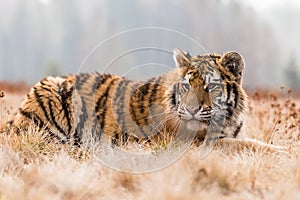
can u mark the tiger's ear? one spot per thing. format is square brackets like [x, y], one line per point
[234, 63]
[181, 58]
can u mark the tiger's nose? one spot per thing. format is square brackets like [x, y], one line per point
[206, 108]
[193, 110]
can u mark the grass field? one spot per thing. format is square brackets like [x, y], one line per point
[30, 168]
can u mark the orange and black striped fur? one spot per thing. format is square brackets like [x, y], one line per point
[202, 90]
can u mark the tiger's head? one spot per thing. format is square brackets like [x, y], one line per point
[195, 106]
[209, 91]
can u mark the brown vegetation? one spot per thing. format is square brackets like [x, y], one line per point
[18, 87]
[32, 168]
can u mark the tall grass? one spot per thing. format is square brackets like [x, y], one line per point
[31, 167]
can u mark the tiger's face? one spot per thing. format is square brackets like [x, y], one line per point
[195, 106]
[210, 92]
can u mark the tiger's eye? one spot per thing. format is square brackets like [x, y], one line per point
[211, 87]
[206, 88]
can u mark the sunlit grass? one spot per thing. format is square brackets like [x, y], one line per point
[35, 167]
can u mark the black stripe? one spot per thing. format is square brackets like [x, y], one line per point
[40, 102]
[81, 80]
[225, 76]
[229, 112]
[173, 96]
[152, 100]
[53, 120]
[228, 90]
[102, 79]
[115, 139]
[139, 96]
[135, 119]
[44, 88]
[77, 138]
[124, 137]
[229, 108]
[141, 92]
[97, 133]
[235, 92]
[153, 94]
[144, 89]
[103, 96]
[118, 102]
[65, 95]
[101, 103]
[154, 90]
[236, 132]
[95, 85]
[131, 106]
[82, 119]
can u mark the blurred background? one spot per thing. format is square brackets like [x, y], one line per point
[51, 37]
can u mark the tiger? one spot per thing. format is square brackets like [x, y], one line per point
[201, 92]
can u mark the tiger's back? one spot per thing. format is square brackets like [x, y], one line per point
[71, 108]
[79, 107]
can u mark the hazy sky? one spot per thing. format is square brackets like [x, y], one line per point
[266, 4]
[263, 28]
[257, 4]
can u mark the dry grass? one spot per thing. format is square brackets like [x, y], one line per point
[32, 168]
